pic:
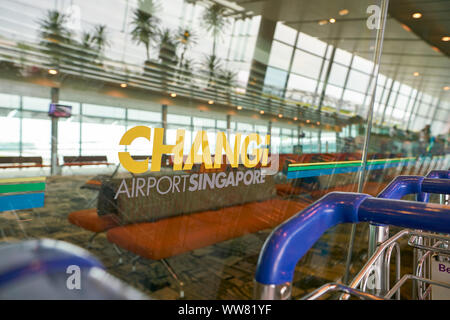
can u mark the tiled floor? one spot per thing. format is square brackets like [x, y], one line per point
[221, 271]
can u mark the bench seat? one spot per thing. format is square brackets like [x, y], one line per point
[372, 188]
[89, 219]
[176, 235]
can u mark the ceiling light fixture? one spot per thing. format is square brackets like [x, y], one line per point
[53, 71]
[280, 116]
[173, 95]
[308, 121]
[295, 118]
[343, 12]
[123, 85]
[239, 107]
[211, 102]
[332, 20]
[416, 74]
[417, 15]
[446, 88]
[323, 22]
[445, 39]
[262, 111]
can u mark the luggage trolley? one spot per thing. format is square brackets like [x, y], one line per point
[291, 240]
[428, 248]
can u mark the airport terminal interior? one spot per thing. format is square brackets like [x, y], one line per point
[170, 140]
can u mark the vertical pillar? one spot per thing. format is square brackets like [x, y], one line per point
[54, 169]
[341, 99]
[80, 150]
[164, 121]
[322, 95]
[261, 54]
[20, 125]
[387, 100]
[228, 122]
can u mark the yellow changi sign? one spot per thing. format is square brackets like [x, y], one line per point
[241, 148]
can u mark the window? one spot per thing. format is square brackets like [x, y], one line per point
[311, 44]
[285, 33]
[280, 55]
[306, 64]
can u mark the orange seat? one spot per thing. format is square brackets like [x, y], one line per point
[89, 219]
[287, 189]
[176, 235]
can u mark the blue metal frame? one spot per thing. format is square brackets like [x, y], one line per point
[437, 181]
[291, 240]
[32, 257]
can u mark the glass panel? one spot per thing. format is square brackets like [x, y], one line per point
[153, 185]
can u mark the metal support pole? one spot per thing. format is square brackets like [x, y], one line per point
[20, 126]
[413, 109]
[81, 131]
[164, 121]
[322, 95]
[228, 122]
[377, 60]
[387, 101]
[54, 169]
[344, 87]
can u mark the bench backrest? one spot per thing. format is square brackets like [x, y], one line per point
[75, 159]
[158, 206]
[10, 160]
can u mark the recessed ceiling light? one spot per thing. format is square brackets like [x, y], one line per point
[446, 88]
[239, 107]
[53, 71]
[211, 102]
[295, 118]
[332, 20]
[323, 22]
[343, 12]
[308, 121]
[416, 74]
[417, 15]
[123, 85]
[280, 115]
[262, 111]
[445, 39]
[173, 95]
[318, 123]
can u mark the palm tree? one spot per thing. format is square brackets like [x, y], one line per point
[187, 39]
[100, 38]
[54, 35]
[167, 55]
[187, 70]
[228, 80]
[213, 64]
[93, 44]
[215, 22]
[167, 47]
[145, 24]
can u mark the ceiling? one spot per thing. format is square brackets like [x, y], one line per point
[408, 43]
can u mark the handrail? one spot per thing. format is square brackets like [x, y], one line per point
[436, 181]
[290, 241]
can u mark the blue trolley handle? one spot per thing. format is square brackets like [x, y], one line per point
[435, 182]
[290, 241]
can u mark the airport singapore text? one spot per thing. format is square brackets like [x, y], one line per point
[141, 186]
[191, 182]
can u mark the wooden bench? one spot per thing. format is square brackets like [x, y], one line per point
[85, 161]
[158, 227]
[21, 162]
